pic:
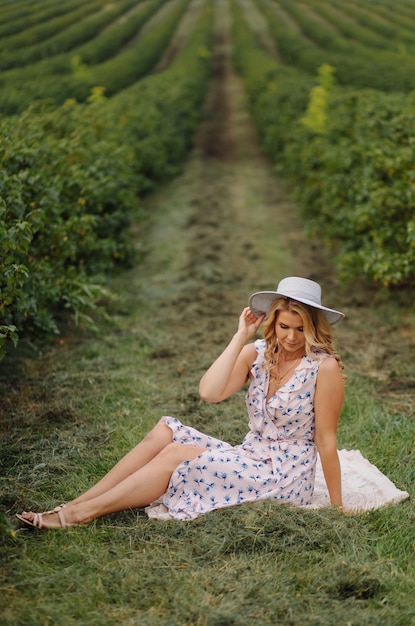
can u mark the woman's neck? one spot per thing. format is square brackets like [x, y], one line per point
[285, 357]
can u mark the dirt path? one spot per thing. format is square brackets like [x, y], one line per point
[223, 229]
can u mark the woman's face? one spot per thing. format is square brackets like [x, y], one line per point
[290, 332]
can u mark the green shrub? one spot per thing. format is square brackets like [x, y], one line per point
[67, 196]
[115, 74]
[66, 40]
[353, 168]
[355, 65]
[357, 182]
[45, 28]
[13, 19]
[70, 180]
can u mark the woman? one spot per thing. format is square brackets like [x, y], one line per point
[294, 402]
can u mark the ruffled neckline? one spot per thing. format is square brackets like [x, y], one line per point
[295, 382]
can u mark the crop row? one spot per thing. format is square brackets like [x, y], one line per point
[360, 44]
[355, 64]
[19, 16]
[349, 154]
[113, 75]
[402, 14]
[43, 29]
[388, 24]
[362, 27]
[73, 34]
[381, 24]
[70, 182]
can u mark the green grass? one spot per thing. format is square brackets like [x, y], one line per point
[274, 564]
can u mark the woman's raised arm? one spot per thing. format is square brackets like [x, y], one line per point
[230, 370]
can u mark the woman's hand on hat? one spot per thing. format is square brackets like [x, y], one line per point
[249, 323]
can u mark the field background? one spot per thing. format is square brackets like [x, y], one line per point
[159, 162]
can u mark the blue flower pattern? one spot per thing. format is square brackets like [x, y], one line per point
[276, 460]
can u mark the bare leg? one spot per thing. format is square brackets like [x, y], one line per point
[138, 489]
[157, 439]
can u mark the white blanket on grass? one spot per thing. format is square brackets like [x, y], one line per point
[364, 487]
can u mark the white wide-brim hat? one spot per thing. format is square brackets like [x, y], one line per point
[299, 289]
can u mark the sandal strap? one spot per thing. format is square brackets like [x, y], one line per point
[55, 510]
[61, 517]
[37, 520]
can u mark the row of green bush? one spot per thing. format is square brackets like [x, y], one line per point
[390, 19]
[114, 74]
[71, 179]
[74, 35]
[349, 154]
[18, 16]
[362, 28]
[43, 29]
[321, 33]
[105, 45]
[355, 65]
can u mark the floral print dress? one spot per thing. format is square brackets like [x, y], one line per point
[276, 460]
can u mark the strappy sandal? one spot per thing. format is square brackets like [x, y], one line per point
[37, 521]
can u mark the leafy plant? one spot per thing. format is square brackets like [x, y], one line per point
[70, 183]
[349, 154]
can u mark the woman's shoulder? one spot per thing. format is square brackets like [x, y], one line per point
[320, 355]
[327, 364]
[321, 360]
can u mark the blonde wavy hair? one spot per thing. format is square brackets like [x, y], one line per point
[317, 330]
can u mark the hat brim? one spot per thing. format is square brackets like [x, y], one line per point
[261, 301]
